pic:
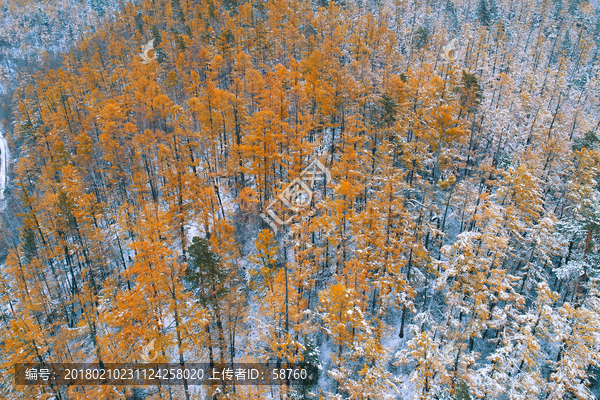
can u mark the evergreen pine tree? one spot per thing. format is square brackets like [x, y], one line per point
[204, 271]
[484, 13]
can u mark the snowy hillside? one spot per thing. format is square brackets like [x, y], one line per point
[3, 166]
[30, 28]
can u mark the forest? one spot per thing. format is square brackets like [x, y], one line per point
[450, 250]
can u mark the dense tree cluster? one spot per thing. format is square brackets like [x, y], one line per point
[454, 255]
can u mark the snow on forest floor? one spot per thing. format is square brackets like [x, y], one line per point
[3, 167]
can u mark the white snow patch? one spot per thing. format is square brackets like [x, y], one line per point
[3, 167]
